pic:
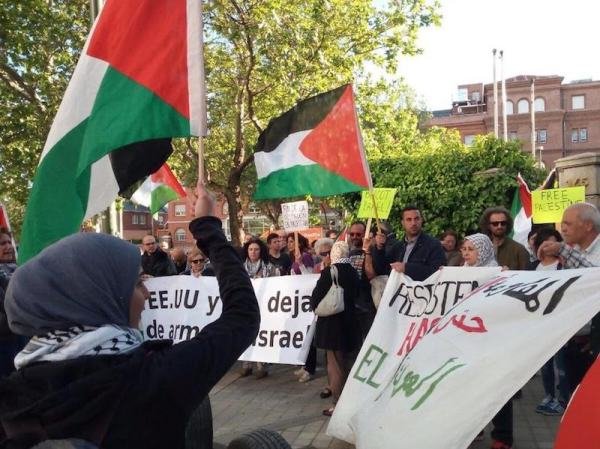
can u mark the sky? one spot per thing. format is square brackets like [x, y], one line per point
[539, 37]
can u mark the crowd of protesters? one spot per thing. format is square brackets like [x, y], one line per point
[364, 259]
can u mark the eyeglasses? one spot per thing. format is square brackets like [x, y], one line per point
[325, 253]
[499, 223]
[355, 234]
[199, 261]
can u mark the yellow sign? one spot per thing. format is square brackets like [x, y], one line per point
[384, 198]
[548, 205]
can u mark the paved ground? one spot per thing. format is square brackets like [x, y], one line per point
[279, 402]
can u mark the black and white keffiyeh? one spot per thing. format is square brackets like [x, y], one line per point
[79, 341]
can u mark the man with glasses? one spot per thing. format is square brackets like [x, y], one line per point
[156, 262]
[497, 223]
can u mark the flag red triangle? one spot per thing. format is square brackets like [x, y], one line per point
[164, 175]
[146, 40]
[336, 143]
[524, 196]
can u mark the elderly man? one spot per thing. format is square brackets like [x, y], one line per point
[179, 258]
[580, 228]
[155, 262]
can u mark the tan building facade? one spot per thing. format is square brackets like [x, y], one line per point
[567, 116]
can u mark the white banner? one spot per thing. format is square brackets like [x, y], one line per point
[474, 359]
[180, 306]
[408, 309]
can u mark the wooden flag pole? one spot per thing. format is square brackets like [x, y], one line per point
[375, 210]
[201, 179]
[368, 230]
[296, 249]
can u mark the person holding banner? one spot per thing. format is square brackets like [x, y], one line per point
[86, 372]
[303, 261]
[337, 334]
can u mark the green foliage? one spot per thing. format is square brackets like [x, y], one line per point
[451, 183]
[262, 57]
[40, 41]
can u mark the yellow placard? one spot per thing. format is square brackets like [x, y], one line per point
[384, 198]
[548, 205]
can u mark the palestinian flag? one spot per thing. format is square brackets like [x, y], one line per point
[4, 223]
[315, 148]
[138, 82]
[158, 189]
[521, 212]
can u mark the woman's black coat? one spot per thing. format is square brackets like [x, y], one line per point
[142, 399]
[337, 332]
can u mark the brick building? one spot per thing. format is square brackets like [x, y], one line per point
[567, 116]
[137, 222]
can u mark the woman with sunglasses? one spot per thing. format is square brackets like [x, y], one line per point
[322, 251]
[87, 372]
[198, 264]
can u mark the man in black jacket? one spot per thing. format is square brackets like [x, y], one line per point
[155, 261]
[417, 255]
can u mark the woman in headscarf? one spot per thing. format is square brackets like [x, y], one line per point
[478, 251]
[337, 334]
[86, 372]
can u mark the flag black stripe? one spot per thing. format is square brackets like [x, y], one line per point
[305, 115]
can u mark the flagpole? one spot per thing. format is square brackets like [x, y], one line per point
[375, 210]
[201, 179]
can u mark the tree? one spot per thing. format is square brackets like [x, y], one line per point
[40, 41]
[261, 57]
[450, 182]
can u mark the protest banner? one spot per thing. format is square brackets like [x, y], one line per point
[180, 306]
[407, 311]
[475, 358]
[384, 198]
[294, 215]
[548, 205]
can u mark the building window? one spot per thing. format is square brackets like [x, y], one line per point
[523, 106]
[180, 235]
[142, 219]
[512, 135]
[180, 210]
[579, 135]
[161, 219]
[510, 107]
[541, 136]
[134, 219]
[539, 104]
[469, 139]
[578, 102]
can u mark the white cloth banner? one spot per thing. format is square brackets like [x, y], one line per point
[475, 358]
[180, 306]
[408, 309]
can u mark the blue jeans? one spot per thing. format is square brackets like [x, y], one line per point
[549, 380]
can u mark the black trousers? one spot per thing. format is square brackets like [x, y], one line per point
[503, 424]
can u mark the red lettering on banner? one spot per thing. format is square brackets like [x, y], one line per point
[412, 338]
[475, 324]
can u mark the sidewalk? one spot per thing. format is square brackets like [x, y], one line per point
[279, 402]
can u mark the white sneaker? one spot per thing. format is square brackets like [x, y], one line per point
[305, 377]
[300, 371]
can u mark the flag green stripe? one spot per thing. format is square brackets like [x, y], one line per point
[126, 112]
[297, 180]
[58, 200]
[161, 195]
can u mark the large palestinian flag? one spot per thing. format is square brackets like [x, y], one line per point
[138, 83]
[315, 148]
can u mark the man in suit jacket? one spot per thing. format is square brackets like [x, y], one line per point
[418, 255]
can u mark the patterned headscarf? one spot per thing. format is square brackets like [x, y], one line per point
[485, 248]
